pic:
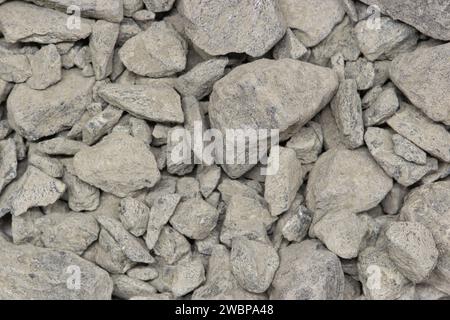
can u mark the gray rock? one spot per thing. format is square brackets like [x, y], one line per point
[143, 273]
[253, 263]
[158, 103]
[180, 160]
[281, 187]
[350, 9]
[362, 71]
[234, 105]
[171, 245]
[429, 17]
[126, 287]
[23, 227]
[33, 189]
[15, 68]
[386, 42]
[383, 107]
[208, 177]
[164, 59]
[52, 272]
[5, 89]
[160, 213]
[131, 246]
[290, 48]
[219, 27]
[41, 113]
[308, 271]
[134, 216]
[307, 143]
[424, 133]
[408, 150]
[8, 162]
[345, 180]
[346, 107]
[60, 146]
[379, 142]
[51, 166]
[159, 5]
[195, 218]
[198, 81]
[42, 25]
[140, 129]
[188, 188]
[423, 77]
[331, 135]
[411, 247]
[394, 200]
[229, 188]
[312, 21]
[294, 225]
[99, 125]
[132, 6]
[46, 68]
[101, 45]
[119, 164]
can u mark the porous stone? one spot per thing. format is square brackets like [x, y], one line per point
[99, 125]
[171, 245]
[363, 71]
[290, 47]
[383, 107]
[408, 150]
[101, 44]
[60, 146]
[134, 216]
[15, 68]
[46, 68]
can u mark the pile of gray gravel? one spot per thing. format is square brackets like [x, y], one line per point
[94, 95]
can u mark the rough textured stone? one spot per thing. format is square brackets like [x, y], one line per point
[101, 45]
[8, 162]
[220, 27]
[171, 246]
[363, 71]
[383, 107]
[307, 143]
[100, 124]
[46, 68]
[159, 5]
[134, 216]
[15, 68]
[290, 48]
[126, 287]
[119, 164]
[60, 146]
[408, 150]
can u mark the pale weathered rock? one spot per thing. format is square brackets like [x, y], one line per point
[23, 227]
[158, 104]
[412, 248]
[346, 107]
[143, 273]
[41, 113]
[140, 129]
[294, 225]
[308, 271]
[52, 270]
[119, 164]
[219, 27]
[198, 82]
[5, 89]
[307, 143]
[15, 68]
[429, 17]
[208, 177]
[60, 146]
[99, 125]
[126, 287]
[253, 263]
[134, 216]
[42, 25]
[144, 15]
[8, 162]
[362, 71]
[180, 160]
[229, 188]
[394, 200]
[141, 56]
[312, 21]
[408, 150]
[383, 107]
[346, 180]
[290, 48]
[108, 254]
[379, 142]
[195, 218]
[331, 135]
[46, 68]
[101, 44]
[388, 40]
[34, 188]
[130, 245]
[427, 135]
[423, 76]
[51, 166]
[160, 213]
[281, 187]
[188, 188]
[171, 245]
[159, 5]
[235, 105]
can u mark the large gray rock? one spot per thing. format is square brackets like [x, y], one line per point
[15, 68]
[46, 67]
[424, 76]
[220, 27]
[101, 44]
[42, 25]
[156, 52]
[313, 20]
[346, 180]
[53, 274]
[429, 17]
[308, 271]
[41, 113]
[119, 164]
[8, 162]
[290, 93]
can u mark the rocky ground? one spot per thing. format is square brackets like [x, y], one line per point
[94, 206]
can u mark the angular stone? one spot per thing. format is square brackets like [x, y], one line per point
[42, 25]
[346, 180]
[171, 246]
[126, 287]
[411, 71]
[160, 213]
[308, 271]
[195, 218]
[5, 89]
[130, 245]
[100, 124]
[158, 104]
[143, 273]
[387, 41]
[412, 248]
[134, 216]
[51, 270]
[15, 68]
[41, 113]
[140, 129]
[159, 5]
[363, 71]
[281, 187]
[394, 200]
[383, 107]
[23, 227]
[346, 107]
[281, 84]
[429, 17]
[60, 146]
[179, 156]
[51, 166]
[379, 142]
[188, 188]
[219, 27]
[46, 68]
[208, 177]
[307, 143]
[8, 162]
[33, 189]
[156, 52]
[290, 48]
[408, 150]
[295, 224]
[198, 82]
[331, 135]
[424, 133]
[119, 164]
[312, 20]
[101, 44]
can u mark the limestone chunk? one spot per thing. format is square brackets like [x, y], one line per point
[290, 48]
[134, 216]
[8, 162]
[99, 125]
[60, 146]
[408, 150]
[384, 106]
[15, 68]
[126, 287]
[46, 68]
[171, 245]
[307, 143]
[101, 44]
[159, 5]
[363, 71]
